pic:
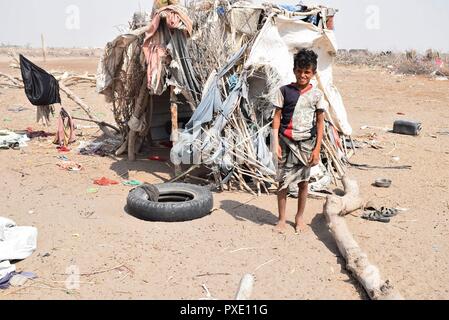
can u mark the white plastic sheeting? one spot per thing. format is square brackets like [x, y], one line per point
[16, 243]
[280, 39]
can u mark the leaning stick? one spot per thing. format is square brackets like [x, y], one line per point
[184, 174]
[100, 123]
[243, 183]
[356, 260]
[72, 96]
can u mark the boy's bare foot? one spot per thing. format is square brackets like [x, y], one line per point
[281, 227]
[300, 226]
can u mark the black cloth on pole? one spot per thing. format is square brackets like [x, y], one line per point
[41, 88]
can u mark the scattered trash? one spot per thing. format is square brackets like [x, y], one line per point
[17, 109]
[441, 78]
[9, 139]
[400, 114]
[105, 182]
[70, 166]
[31, 212]
[92, 190]
[76, 235]
[37, 134]
[396, 159]
[374, 128]
[102, 148]
[63, 149]
[46, 255]
[367, 166]
[19, 279]
[87, 214]
[383, 183]
[63, 158]
[407, 127]
[132, 183]
[16, 243]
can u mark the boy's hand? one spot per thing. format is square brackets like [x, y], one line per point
[279, 152]
[314, 158]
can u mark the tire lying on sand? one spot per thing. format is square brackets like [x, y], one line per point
[177, 202]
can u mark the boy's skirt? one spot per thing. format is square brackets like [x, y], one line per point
[294, 168]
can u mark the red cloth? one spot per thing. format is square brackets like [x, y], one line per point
[154, 47]
[65, 134]
[105, 182]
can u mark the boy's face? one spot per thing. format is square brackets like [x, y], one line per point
[303, 76]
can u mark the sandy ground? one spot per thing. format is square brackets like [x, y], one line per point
[121, 257]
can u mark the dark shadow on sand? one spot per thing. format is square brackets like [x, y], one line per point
[249, 212]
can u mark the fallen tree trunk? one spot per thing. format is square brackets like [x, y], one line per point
[356, 260]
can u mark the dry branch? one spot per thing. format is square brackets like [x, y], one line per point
[356, 260]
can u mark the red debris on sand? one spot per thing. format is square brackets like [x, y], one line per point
[63, 149]
[37, 134]
[157, 158]
[105, 182]
[401, 114]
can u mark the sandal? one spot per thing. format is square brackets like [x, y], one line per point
[389, 213]
[375, 215]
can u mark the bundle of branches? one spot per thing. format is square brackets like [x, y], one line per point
[210, 42]
[234, 138]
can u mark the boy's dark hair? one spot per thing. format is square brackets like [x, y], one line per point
[305, 59]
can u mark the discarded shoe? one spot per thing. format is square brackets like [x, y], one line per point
[383, 214]
[375, 216]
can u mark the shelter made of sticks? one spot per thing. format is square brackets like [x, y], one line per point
[211, 70]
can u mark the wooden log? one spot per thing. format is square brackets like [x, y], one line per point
[174, 126]
[356, 260]
[246, 288]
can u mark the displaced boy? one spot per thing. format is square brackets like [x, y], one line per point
[298, 128]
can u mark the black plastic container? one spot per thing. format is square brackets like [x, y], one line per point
[410, 128]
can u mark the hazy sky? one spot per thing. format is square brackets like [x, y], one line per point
[371, 24]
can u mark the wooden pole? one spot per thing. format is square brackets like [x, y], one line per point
[174, 126]
[44, 50]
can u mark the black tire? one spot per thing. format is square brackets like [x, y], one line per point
[177, 202]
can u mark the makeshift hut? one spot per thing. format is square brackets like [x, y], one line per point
[211, 70]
